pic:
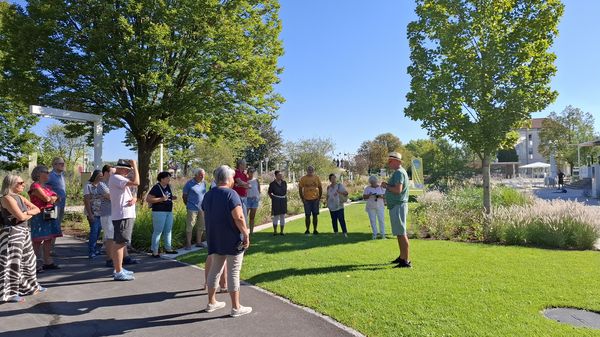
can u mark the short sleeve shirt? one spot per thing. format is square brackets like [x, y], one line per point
[398, 177]
[310, 187]
[243, 192]
[96, 197]
[56, 181]
[373, 203]
[158, 191]
[120, 195]
[195, 192]
[222, 234]
[41, 204]
[105, 205]
[253, 190]
[333, 197]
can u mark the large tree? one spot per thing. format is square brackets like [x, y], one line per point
[16, 139]
[157, 67]
[560, 133]
[479, 69]
[317, 152]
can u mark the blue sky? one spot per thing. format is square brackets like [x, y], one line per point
[345, 70]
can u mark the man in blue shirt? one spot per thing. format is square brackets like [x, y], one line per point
[56, 181]
[193, 194]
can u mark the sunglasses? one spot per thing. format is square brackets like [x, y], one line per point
[20, 183]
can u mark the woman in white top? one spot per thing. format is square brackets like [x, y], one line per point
[253, 197]
[374, 195]
[336, 196]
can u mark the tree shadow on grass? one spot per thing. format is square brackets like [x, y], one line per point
[281, 274]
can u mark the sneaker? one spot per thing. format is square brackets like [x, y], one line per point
[345, 235]
[216, 306]
[374, 237]
[383, 237]
[397, 260]
[155, 255]
[123, 277]
[124, 271]
[188, 248]
[307, 232]
[281, 233]
[129, 260]
[241, 311]
[403, 264]
[171, 251]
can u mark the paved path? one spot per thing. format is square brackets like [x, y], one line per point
[164, 300]
[572, 194]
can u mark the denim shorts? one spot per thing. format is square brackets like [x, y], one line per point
[398, 218]
[252, 202]
[311, 207]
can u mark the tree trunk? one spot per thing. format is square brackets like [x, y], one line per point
[487, 197]
[145, 150]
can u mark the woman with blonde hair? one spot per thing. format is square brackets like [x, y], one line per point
[17, 258]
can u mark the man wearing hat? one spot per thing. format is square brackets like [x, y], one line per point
[122, 213]
[396, 196]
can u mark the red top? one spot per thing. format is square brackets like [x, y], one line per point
[37, 201]
[242, 191]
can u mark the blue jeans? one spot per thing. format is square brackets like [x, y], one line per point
[95, 227]
[162, 223]
[338, 215]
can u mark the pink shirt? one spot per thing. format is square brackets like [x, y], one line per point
[242, 191]
[41, 204]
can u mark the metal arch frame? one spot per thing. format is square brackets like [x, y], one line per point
[78, 117]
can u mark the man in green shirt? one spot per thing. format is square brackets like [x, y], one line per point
[396, 197]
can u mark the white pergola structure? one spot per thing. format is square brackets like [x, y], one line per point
[586, 144]
[77, 117]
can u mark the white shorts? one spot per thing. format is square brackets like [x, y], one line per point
[107, 227]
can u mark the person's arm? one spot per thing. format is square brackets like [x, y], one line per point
[152, 198]
[31, 208]
[240, 222]
[270, 191]
[38, 192]
[239, 182]
[258, 184]
[135, 181]
[184, 198]
[342, 190]
[365, 195]
[11, 205]
[320, 187]
[87, 205]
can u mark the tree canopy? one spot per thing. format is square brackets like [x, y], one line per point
[156, 68]
[374, 153]
[480, 68]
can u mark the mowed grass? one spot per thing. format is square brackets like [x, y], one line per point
[454, 289]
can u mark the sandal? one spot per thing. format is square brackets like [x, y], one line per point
[40, 290]
[16, 299]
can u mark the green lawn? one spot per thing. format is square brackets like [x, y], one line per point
[454, 289]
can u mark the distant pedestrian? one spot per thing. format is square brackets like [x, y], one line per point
[44, 226]
[311, 191]
[17, 258]
[56, 181]
[561, 180]
[93, 194]
[122, 213]
[253, 197]
[375, 206]
[193, 194]
[161, 200]
[278, 194]
[241, 185]
[336, 196]
[396, 196]
[228, 238]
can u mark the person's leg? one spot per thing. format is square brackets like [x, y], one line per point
[47, 248]
[214, 273]
[373, 220]
[234, 266]
[108, 230]
[223, 279]
[281, 223]
[381, 219]
[29, 283]
[123, 229]
[315, 210]
[167, 230]
[93, 237]
[307, 213]
[334, 221]
[403, 239]
[189, 227]
[158, 224]
[342, 220]
[200, 228]
[252, 216]
[60, 217]
[275, 221]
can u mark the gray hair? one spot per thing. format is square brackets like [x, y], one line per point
[35, 174]
[223, 173]
[373, 179]
[240, 162]
[56, 160]
[198, 170]
[9, 182]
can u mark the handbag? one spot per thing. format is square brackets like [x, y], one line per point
[343, 198]
[49, 213]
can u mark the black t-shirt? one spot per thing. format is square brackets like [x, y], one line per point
[163, 206]
[222, 233]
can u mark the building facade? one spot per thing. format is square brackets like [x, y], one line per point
[529, 140]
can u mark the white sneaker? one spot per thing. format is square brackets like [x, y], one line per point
[241, 311]
[124, 271]
[374, 236]
[212, 307]
[383, 237]
[123, 277]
